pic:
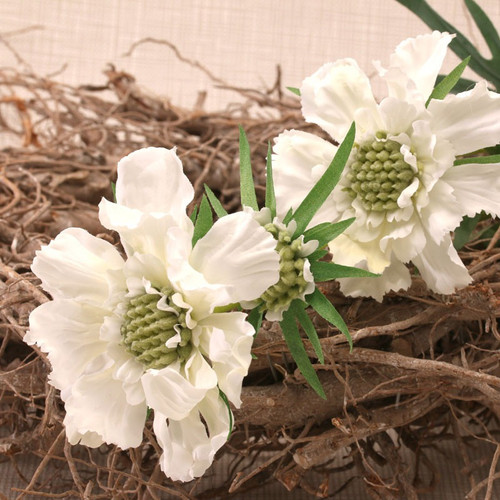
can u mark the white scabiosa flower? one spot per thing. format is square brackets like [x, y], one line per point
[295, 277]
[123, 335]
[400, 182]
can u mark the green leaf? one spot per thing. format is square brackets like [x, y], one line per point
[296, 347]
[298, 308]
[216, 204]
[247, 186]
[464, 231]
[443, 88]
[478, 159]
[270, 195]
[326, 310]
[322, 189]
[485, 26]
[295, 90]
[486, 68]
[194, 213]
[288, 216]
[327, 231]
[255, 318]
[226, 402]
[326, 271]
[113, 190]
[318, 254]
[204, 221]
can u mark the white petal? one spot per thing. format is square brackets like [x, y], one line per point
[188, 445]
[80, 266]
[443, 213]
[349, 252]
[170, 393]
[141, 232]
[152, 180]
[239, 253]
[395, 277]
[299, 160]
[418, 61]
[398, 115]
[476, 187]
[334, 94]
[441, 267]
[97, 403]
[69, 332]
[227, 339]
[145, 271]
[469, 120]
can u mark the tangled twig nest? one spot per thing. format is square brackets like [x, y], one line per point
[424, 369]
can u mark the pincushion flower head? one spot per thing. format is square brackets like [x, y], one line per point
[401, 183]
[125, 335]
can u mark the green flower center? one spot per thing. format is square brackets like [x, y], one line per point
[146, 329]
[292, 282]
[379, 174]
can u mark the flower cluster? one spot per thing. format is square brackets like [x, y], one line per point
[163, 329]
[401, 183]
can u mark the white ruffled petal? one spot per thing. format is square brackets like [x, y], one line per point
[227, 339]
[77, 265]
[152, 180]
[395, 277]
[476, 187]
[240, 254]
[69, 332]
[468, 120]
[189, 445]
[98, 404]
[415, 65]
[172, 394]
[333, 95]
[441, 267]
[299, 160]
[142, 232]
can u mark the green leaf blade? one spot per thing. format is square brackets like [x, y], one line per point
[298, 308]
[270, 194]
[204, 221]
[325, 185]
[478, 160]
[297, 350]
[327, 311]
[443, 88]
[485, 26]
[326, 271]
[247, 186]
[327, 231]
[294, 90]
[216, 204]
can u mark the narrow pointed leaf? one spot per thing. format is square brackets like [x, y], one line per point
[317, 255]
[326, 310]
[194, 214]
[299, 310]
[247, 186]
[462, 234]
[296, 347]
[288, 216]
[485, 26]
[214, 201]
[327, 231]
[443, 88]
[478, 159]
[462, 85]
[204, 221]
[226, 402]
[322, 189]
[295, 90]
[270, 195]
[255, 318]
[326, 271]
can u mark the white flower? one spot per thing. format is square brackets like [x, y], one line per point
[125, 335]
[295, 276]
[400, 183]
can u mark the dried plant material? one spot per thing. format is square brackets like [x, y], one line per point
[424, 369]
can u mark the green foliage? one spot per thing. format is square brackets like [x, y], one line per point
[322, 189]
[486, 68]
[204, 220]
[270, 195]
[226, 402]
[326, 271]
[247, 186]
[214, 201]
[443, 88]
[295, 90]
